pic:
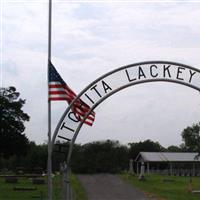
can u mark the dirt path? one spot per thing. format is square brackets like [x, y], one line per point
[109, 187]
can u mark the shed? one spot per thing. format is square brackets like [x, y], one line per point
[172, 163]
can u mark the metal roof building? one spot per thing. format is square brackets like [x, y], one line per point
[174, 163]
[167, 157]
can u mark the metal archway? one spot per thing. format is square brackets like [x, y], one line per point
[118, 79]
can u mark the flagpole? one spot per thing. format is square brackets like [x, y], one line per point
[49, 162]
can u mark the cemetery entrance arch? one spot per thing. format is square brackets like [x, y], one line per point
[116, 80]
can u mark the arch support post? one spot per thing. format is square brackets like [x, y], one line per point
[66, 190]
[115, 81]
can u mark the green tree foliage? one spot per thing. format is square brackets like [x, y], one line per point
[146, 146]
[191, 138]
[95, 157]
[33, 162]
[13, 142]
[174, 148]
[98, 157]
[36, 157]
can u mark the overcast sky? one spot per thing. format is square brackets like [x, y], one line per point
[92, 38]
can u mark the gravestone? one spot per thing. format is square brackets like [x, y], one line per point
[38, 181]
[141, 176]
[11, 179]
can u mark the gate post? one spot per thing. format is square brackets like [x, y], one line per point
[65, 187]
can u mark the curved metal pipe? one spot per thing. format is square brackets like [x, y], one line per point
[111, 93]
[107, 74]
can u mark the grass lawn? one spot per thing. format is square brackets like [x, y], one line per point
[169, 190]
[79, 191]
[7, 191]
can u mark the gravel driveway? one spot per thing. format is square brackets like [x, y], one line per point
[109, 187]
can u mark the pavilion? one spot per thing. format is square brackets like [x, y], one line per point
[169, 163]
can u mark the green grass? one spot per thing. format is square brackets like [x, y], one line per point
[78, 189]
[155, 186]
[7, 192]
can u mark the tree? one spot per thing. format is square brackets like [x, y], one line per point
[191, 138]
[147, 145]
[36, 157]
[100, 157]
[13, 142]
[174, 148]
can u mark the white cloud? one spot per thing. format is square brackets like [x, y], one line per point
[90, 39]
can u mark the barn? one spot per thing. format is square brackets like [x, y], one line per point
[169, 163]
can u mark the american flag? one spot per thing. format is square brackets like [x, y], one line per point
[60, 91]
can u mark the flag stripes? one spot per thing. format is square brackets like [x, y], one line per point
[60, 91]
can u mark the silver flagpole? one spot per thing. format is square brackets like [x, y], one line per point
[49, 164]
